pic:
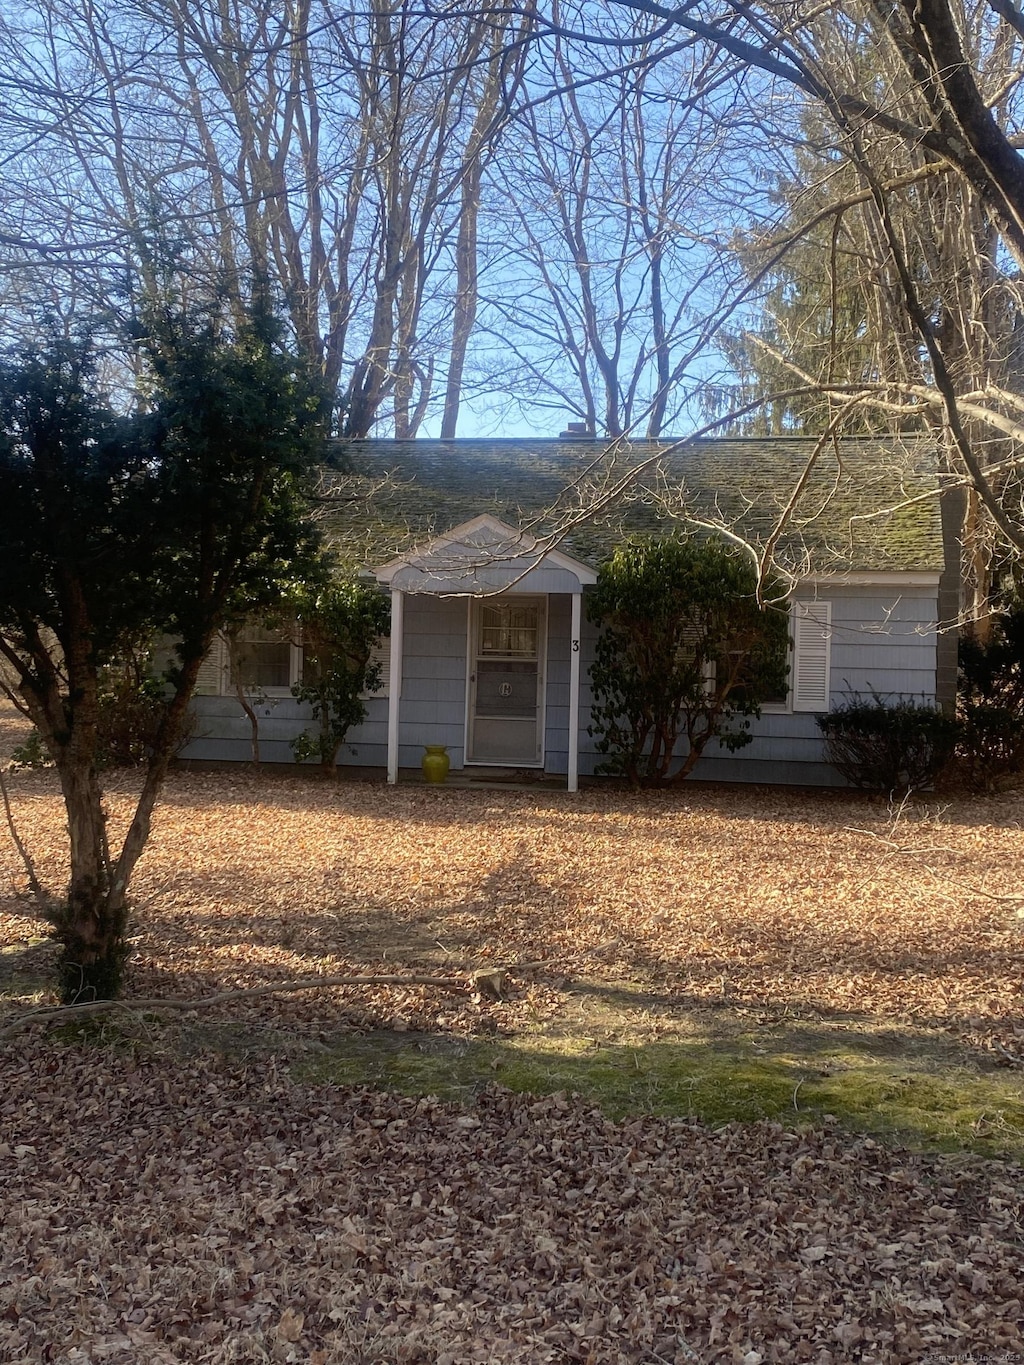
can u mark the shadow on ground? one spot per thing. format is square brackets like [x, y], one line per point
[28, 967]
[627, 1049]
[626, 1052]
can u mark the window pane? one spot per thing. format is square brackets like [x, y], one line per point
[263, 660]
[509, 628]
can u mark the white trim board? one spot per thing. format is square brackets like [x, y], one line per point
[872, 579]
[507, 546]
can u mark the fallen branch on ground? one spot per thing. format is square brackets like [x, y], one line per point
[490, 982]
[1011, 1058]
[144, 1005]
[894, 849]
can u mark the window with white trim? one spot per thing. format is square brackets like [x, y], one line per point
[269, 663]
[264, 660]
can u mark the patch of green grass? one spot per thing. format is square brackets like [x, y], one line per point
[955, 1111]
[717, 1083]
[23, 971]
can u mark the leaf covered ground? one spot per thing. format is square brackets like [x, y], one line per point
[163, 1211]
[203, 1190]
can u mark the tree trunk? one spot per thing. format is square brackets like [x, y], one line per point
[329, 745]
[90, 923]
[234, 665]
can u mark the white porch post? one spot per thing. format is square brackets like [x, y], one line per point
[574, 693]
[395, 691]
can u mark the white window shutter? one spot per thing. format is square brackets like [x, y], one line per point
[689, 637]
[210, 682]
[381, 655]
[812, 648]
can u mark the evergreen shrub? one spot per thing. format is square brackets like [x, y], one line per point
[894, 746]
[990, 703]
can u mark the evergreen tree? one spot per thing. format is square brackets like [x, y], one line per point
[114, 524]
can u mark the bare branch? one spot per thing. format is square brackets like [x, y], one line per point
[144, 1005]
[26, 858]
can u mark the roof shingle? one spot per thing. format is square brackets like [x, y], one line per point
[864, 504]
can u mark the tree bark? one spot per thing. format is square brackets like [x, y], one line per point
[90, 924]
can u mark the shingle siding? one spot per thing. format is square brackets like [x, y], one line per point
[787, 747]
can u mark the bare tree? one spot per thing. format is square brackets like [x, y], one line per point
[428, 141]
[937, 80]
[331, 154]
[603, 197]
[832, 316]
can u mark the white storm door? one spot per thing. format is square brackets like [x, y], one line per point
[506, 680]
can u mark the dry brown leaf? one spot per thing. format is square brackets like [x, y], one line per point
[194, 1209]
[289, 1328]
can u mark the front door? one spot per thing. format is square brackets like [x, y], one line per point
[506, 713]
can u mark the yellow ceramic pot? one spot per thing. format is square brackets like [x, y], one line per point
[435, 763]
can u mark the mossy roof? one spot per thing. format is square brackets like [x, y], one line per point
[860, 504]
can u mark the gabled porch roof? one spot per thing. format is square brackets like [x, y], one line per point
[482, 556]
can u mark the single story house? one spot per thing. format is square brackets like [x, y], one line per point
[489, 547]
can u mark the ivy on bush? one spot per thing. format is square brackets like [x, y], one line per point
[891, 746]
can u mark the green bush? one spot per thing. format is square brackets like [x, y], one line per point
[31, 754]
[130, 715]
[685, 656]
[341, 622]
[131, 707]
[990, 702]
[891, 746]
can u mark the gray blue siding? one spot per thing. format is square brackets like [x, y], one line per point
[883, 640]
[433, 678]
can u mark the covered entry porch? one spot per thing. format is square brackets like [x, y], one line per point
[486, 650]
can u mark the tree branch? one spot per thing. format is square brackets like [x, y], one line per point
[145, 1004]
[33, 881]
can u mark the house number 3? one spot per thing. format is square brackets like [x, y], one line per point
[575, 646]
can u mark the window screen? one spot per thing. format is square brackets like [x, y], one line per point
[506, 689]
[262, 660]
